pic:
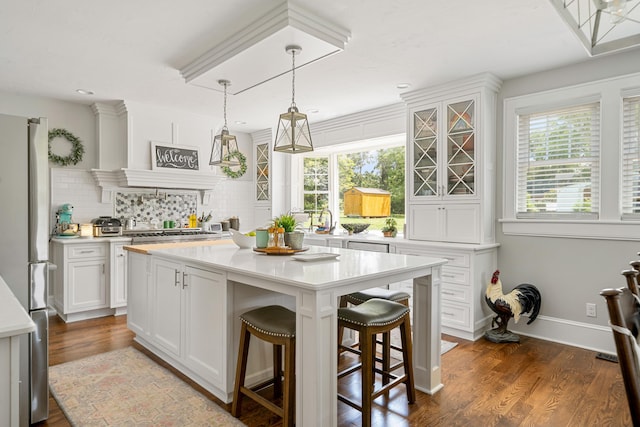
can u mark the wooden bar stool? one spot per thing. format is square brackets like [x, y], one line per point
[276, 325]
[368, 319]
[360, 297]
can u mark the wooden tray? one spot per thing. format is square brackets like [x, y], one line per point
[280, 251]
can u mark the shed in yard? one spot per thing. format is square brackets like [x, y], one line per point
[367, 202]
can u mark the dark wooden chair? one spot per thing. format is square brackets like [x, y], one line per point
[624, 316]
[630, 276]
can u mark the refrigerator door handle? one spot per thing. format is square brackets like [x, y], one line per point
[38, 281]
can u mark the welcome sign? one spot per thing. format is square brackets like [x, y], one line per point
[170, 156]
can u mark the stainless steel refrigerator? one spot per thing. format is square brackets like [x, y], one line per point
[24, 248]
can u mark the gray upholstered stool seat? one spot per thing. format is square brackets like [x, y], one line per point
[373, 317]
[374, 312]
[276, 325]
[272, 320]
[365, 295]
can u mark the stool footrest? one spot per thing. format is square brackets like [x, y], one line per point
[351, 403]
[385, 388]
[349, 370]
[262, 401]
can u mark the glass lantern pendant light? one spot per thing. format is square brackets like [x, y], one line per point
[293, 134]
[224, 145]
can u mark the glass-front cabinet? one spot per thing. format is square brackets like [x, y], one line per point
[262, 172]
[262, 177]
[444, 160]
[451, 161]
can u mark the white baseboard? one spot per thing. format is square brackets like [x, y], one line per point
[576, 334]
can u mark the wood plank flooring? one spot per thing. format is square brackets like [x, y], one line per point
[534, 383]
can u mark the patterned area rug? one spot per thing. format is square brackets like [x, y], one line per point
[126, 388]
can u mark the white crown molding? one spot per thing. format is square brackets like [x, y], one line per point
[485, 81]
[262, 136]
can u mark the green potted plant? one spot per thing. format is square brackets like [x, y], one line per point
[390, 228]
[292, 237]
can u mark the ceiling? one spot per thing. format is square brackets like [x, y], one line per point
[134, 51]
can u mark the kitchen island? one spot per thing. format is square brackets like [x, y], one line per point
[205, 283]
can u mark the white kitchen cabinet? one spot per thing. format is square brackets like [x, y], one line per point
[184, 306]
[118, 277]
[138, 272]
[166, 303]
[464, 281]
[451, 161]
[80, 281]
[449, 222]
[204, 298]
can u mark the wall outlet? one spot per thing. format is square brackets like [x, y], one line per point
[591, 310]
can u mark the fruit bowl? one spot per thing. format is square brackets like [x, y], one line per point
[242, 240]
[355, 228]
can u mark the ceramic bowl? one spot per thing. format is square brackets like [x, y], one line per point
[355, 228]
[242, 240]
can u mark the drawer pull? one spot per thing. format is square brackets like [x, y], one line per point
[447, 293]
[86, 252]
[451, 276]
[448, 314]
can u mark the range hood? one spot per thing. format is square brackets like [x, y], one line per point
[156, 179]
[114, 180]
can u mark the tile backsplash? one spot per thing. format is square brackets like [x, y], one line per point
[154, 209]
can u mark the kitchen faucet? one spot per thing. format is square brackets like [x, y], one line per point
[322, 224]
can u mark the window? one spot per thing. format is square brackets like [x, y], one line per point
[558, 162]
[572, 161]
[331, 170]
[316, 184]
[631, 157]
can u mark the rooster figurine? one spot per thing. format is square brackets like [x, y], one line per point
[525, 298]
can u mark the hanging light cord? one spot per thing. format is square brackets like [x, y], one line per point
[293, 78]
[225, 106]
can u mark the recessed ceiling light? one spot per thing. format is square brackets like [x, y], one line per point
[315, 111]
[240, 122]
[84, 91]
[403, 85]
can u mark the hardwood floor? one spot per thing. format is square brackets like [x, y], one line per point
[534, 383]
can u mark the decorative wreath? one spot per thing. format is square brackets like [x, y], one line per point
[243, 165]
[77, 150]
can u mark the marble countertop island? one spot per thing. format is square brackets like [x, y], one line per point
[316, 287]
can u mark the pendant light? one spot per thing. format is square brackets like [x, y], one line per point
[224, 145]
[293, 135]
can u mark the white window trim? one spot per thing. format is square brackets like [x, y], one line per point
[610, 224]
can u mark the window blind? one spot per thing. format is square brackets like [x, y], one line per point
[558, 162]
[631, 156]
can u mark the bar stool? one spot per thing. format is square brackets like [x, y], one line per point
[360, 297]
[368, 319]
[276, 325]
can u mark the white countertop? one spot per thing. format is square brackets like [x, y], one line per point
[14, 320]
[349, 267]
